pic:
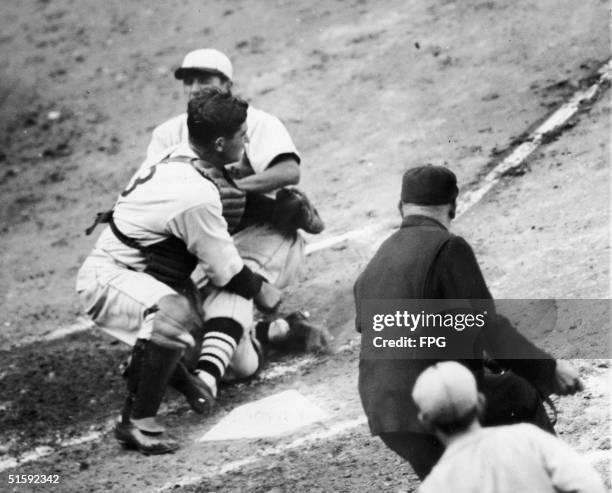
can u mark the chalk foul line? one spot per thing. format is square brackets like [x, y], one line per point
[552, 124]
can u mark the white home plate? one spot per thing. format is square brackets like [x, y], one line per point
[275, 415]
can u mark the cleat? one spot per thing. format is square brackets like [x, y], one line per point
[146, 443]
[199, 395]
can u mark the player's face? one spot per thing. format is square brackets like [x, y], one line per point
[194, 84]
[234, 147]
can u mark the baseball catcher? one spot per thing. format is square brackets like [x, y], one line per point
[137, 280]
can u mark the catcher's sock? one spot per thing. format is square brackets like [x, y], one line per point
[221, 336]
[271, 330]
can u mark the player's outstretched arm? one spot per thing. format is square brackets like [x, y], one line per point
[284, 172]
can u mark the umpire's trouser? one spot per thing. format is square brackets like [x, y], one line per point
[510, 399]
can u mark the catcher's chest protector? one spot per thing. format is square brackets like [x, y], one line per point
[168, 261]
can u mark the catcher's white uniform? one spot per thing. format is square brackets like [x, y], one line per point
[165, 198]
[266, 251]
[162, 199]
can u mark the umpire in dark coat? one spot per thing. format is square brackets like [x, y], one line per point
[424, 260]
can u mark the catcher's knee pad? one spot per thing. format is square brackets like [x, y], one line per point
[174, 321]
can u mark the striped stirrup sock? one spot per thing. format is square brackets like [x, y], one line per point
[221, 337]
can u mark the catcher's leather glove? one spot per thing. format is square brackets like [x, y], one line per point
[304, 335]
[293, 210]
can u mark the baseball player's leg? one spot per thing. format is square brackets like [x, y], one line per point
[117, 298]
[137, 308]
[247, 359]
[147, 377]
[153, 364]
[228, 351]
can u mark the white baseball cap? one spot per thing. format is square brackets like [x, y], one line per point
[445, 392]
[205, 60]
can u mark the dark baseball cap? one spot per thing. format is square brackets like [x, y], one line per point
[429, 185]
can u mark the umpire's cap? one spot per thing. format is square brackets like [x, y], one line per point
[429, 185]
[445, 392]
[205, 60]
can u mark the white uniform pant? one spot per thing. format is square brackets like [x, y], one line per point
[116, 297]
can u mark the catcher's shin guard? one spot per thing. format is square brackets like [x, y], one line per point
[147, 378]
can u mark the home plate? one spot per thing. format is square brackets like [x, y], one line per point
[275, 415]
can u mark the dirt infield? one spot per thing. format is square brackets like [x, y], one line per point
[366, 89]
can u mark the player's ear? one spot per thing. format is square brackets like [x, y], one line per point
[424, 419]
[219, 144]
[226, 85]
[452, 211]
[481, 404]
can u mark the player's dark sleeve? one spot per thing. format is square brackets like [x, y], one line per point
[284, 157]
[246, 283]
[457, 275]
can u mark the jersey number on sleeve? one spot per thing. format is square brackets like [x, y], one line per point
[139, 181]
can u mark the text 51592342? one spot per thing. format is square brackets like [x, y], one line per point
[33, 479]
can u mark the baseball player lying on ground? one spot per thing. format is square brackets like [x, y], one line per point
[137, 282]
[499, 459]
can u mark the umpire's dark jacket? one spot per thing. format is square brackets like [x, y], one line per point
[423, 260]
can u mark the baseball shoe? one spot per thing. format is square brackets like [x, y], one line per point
[131, 437]
[303, 335]
[199, 396]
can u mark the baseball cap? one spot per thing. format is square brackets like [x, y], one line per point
[445, 392]
[429, 185]
[205, 60]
